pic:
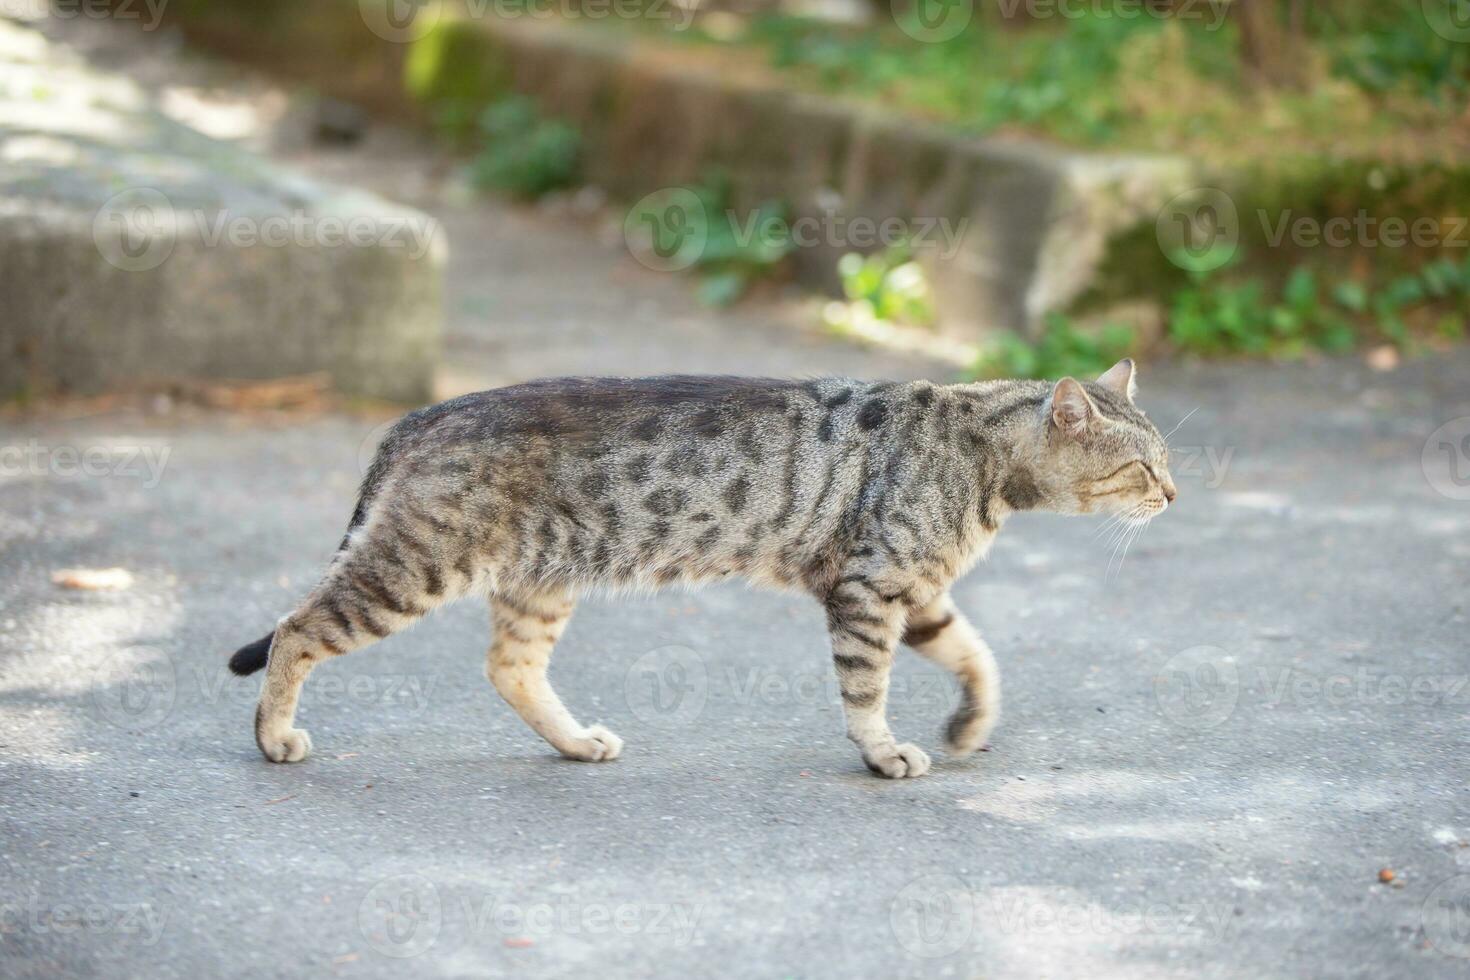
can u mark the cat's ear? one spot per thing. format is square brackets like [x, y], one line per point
[1071, 409]
[1121, 378]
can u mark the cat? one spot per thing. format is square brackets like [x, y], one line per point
[871, 497]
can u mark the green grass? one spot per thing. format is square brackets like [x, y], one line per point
[521, 153]
[1141, 82]
[732, 250]
[1230, 313]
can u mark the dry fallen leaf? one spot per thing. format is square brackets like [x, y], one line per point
[1383, 358]
[297, 391]
[93, 579]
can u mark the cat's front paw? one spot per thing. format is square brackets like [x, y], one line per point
[967, 731]
[597, 744]
[898, 761]
[292, 745]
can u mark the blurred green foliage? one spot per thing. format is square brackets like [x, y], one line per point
[1099, 76]
[1220, 314]
[1062, 348]
[889, 285]
[1389, 43]
[733, 249]
[1224, 313]
[522, 153]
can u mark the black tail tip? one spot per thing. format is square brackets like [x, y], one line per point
[251, 657]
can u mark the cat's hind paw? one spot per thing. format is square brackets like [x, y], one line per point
[291, 746]
[898, 761]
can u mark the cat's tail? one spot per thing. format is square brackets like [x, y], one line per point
[252, 656]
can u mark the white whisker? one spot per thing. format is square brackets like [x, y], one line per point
[1181, 422]
[1110, 523]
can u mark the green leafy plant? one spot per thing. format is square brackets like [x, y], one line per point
[732, 250]
[1103, 75]
[1219, 315]
[887, 286]
[524, 154]
[1062, 348]
[1222, 317]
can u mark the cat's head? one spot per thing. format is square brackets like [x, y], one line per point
[1098, 453]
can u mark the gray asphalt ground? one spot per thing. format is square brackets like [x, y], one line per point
[1208, 754]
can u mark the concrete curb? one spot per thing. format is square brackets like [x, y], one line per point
[134, 249]
[1035, 223]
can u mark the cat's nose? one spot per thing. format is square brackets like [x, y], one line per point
[1169, 493]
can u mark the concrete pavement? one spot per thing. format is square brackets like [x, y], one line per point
[1207, 757]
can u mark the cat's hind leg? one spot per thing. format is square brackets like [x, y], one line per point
[865, 625]
[941, 633]
[379, 584]
[527, 625]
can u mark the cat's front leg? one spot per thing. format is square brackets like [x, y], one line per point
[865, 627]
[941, 633]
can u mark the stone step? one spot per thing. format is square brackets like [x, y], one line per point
[134, 249]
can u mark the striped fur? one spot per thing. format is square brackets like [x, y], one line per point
[871, 497]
